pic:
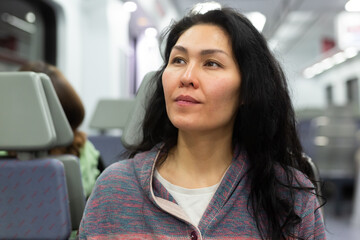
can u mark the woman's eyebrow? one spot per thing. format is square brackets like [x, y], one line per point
[212, 51]
[180, 48]
[202, 52]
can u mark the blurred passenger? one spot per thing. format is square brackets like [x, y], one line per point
[220, 157]
[89, 157]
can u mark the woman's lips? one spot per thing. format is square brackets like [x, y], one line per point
[186, 100]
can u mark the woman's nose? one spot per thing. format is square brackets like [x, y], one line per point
[190, 77]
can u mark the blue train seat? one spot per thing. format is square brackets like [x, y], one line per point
[36, 201]
[109, 146]
[74, 187]
[123, 114]
[109, 115]
[33, 200]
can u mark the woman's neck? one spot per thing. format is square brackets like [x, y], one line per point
[198, 160]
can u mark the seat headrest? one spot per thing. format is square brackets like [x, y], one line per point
[112, 114]
[31, 116]
[132, 134]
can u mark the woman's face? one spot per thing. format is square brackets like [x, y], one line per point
[202, 81]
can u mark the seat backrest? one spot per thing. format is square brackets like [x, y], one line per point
[32, 122]
[64, 133]
[132, 134]
[64, 136]
[109, 115]
[110, 148]
[112, 114]
[124, 114]
[33, 200]
[29, 98]
[74, 187]
[23, 100]
[334, 144]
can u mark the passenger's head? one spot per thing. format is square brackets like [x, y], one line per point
[263, 111]
[201, 82]
[69, 99]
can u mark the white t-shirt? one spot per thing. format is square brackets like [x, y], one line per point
[192, 201]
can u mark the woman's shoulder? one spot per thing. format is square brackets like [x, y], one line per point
[292, 176]
[139, 166]
[119, 167]
[305, 197]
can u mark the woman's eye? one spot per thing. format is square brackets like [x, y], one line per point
[177, 60]
[212, 64]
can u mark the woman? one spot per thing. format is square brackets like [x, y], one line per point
[75, 113]
[220, 157]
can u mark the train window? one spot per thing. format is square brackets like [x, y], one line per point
[27, 33]
[329, 95]
[352, 91]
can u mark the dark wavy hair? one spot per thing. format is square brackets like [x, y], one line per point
[264, 125]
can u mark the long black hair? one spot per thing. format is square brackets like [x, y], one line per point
[264, 125]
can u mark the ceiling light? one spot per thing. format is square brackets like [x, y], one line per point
[201, 8]
[327, 63]
[330, 62]
[339, 58]
[309, 73]
[30, 17]
[151, 32]
[130, 6]
[318, 68]
[352, 6]
[321, 141]
[350, 52]
[18, 23]
[257, 19]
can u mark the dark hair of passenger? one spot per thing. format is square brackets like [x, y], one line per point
[70, 101]
[264, 126]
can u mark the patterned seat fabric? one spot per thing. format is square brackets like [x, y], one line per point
[33, 200]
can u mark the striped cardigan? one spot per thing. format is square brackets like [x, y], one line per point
[129, 203]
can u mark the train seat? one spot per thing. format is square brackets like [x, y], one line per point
[109, 146]
[109, 115]
[334, 147]
[74, 187]
[132, 134]
[123, 114]
[36, 201]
